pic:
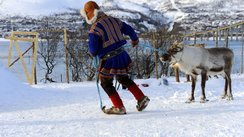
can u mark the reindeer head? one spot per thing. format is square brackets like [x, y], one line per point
[172, 52]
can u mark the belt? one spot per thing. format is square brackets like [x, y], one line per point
[113, 53]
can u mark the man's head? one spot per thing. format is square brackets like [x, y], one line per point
[90, 12]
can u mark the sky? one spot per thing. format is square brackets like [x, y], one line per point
[38, 7]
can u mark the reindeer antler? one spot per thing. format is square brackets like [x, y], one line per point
[175, 48]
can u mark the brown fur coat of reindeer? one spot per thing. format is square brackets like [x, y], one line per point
[202, 61]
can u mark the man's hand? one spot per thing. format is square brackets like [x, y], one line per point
[134, 43]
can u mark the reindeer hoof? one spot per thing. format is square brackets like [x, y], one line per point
[223, 96]
[204, 100]
[230, 98]
[190, 100]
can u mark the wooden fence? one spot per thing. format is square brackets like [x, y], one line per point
[228, 32]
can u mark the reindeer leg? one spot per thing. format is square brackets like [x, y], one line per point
[203, 83]
[223, 96]
[193, 85]
[229, 94]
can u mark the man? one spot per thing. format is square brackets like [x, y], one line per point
[106, 41]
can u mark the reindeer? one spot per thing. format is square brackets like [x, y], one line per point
[202, 61]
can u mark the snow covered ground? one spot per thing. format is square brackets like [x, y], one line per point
[72, 110]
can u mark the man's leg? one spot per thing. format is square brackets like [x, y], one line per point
[118, 106]
[142, 100]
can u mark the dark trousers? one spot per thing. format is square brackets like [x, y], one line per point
[107, 83]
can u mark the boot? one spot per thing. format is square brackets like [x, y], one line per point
[142, 100]
[117, 108]
[142, 103]
[114, 110]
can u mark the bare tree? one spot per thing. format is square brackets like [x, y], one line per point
[151, 44]
[143, 63]
[81, 62]
[49, 47]
[164, 40]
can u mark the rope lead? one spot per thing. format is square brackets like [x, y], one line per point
[96, 65]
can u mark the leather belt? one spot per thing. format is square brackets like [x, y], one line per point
[113, 53]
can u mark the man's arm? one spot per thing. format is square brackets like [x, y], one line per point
[128, 30]
[94, 42]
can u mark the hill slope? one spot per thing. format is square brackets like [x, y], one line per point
[147, 14]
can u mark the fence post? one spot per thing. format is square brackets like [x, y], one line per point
[195, 38]
[242, 48]
[155, 54]
[176, 69]
[33, 52]
[66, 55]
[237, 33]
[61, 78]
[227, 38]
[231, 33]
[217, 37]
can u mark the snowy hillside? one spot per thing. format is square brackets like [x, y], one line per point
[148, 14]
[72, 110]
[193, 14]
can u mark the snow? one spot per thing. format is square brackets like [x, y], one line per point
[173, 10]
[179, 15]
[4, 40]
[149, 26]
[123, 14]
[131, 5]
[72, 110]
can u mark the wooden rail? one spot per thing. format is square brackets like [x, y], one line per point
[33, 38]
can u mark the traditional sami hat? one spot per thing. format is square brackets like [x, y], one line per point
[90, 12]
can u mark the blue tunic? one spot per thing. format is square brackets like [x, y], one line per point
[106, 35]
